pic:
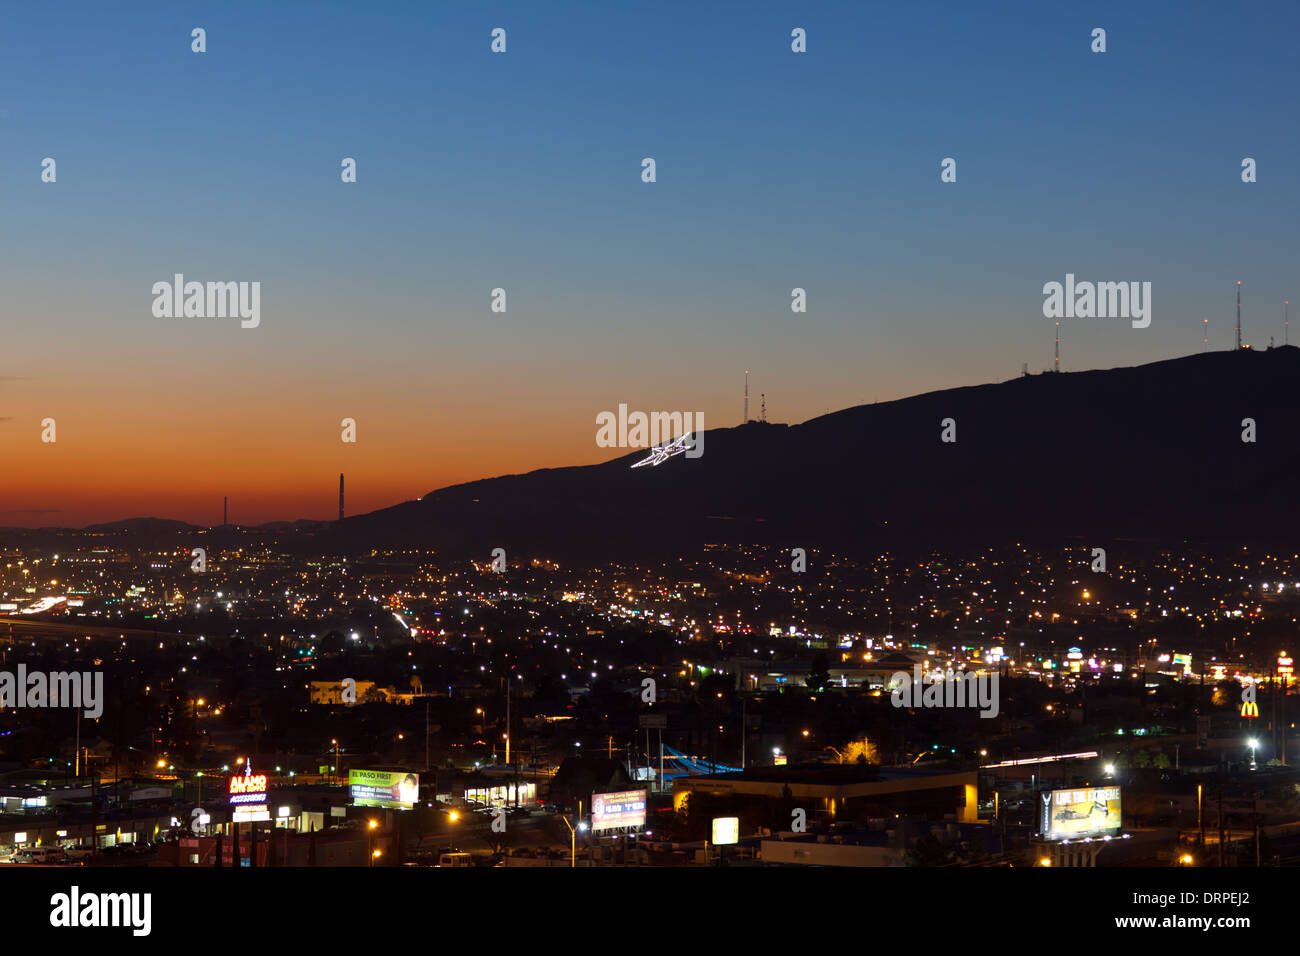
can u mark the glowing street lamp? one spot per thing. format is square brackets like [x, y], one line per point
[573, 840]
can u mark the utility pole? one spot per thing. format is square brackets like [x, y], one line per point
[1221, 836]
[1272, 681]
[1255, 814]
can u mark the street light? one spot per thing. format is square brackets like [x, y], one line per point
[573, 840]
[1252, 743]
[371, 830]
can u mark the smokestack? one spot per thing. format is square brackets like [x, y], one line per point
[340, 496]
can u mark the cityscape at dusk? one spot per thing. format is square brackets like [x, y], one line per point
[747, 443]
[522, 171]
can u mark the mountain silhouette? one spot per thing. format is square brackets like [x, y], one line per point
[1153, 451]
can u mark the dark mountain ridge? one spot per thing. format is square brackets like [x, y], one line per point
[1147, 452]
[1151, 451]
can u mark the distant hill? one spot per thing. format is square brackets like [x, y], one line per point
[143, 526]
[1148, 452]
[1152, 451]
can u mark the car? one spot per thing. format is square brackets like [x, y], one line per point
[41, 854]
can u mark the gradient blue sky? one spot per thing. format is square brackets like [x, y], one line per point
[522, 170]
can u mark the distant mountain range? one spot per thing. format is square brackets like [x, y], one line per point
[1153, 451]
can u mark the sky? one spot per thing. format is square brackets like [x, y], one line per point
[522, 171]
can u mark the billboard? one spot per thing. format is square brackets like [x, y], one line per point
[1074, 814]
[248, 790]
[626, 808]
[726, 831]
[393, 790]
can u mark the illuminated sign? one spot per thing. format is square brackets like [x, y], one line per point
[726, 831]
[1249, 709]
[255, 814]
[1285, 666]
[626, 808]
[1074, 814]
[248, 789]
[392, 790]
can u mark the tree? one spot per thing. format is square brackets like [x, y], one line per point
[332, 643]
[860, 751]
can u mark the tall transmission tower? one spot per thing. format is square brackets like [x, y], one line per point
[1287, 323]
[746, 418]
[1057, 366]
[1238, 315]
[1205, 340]
[340, 496]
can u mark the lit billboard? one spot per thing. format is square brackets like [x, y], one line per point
[626, 808]
[1074, 814]
[248, 797]
[393, 790]
[248, 790]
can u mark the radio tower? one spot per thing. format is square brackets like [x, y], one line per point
[225, 510]
[1238, 315]
[762, 416]
[745, 420]
[1287, 323]
[1057, 366]
[340, 496]
[1205, 340]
